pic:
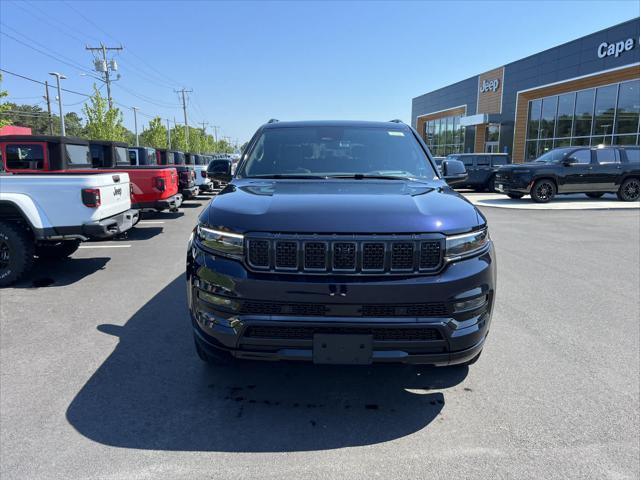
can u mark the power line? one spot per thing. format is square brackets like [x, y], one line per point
[163, 75]
[65, 60]
[41, 83]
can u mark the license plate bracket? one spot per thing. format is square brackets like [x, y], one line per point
[342, 349]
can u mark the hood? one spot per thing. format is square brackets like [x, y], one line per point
[527, 166]
[341, 206]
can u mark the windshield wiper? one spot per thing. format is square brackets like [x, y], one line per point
[365, 176]
[286, 175]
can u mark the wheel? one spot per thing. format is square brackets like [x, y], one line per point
[491, 185]
[515, 196]
[543, 191]
[629, 190]
[16, 253]
[217, 358]
[594, 194]
[56, 249]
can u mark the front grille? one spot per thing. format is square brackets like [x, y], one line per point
[366, 254]
[378, 333]
[286, 255]
[253, 307]
[344, 256]
[259, 253]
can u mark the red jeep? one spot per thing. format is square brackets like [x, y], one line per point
[154, 188]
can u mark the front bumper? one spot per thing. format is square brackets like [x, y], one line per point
[219, 291]
[111, 226]
[514, 184]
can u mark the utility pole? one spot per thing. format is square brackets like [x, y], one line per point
[184, 109]
[59, 77]
[168, 135]
[104, 66]
[215, 132]
[204, 128]
[46, 97]
[135, 123]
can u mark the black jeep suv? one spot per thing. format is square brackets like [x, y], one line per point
[338, 242]
[594, 171]
[481, 169]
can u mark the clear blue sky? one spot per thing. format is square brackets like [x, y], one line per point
[250, 61]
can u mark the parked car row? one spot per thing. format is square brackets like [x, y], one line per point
[593, 171]
[56, 192]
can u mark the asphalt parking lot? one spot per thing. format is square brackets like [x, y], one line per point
[99, 378]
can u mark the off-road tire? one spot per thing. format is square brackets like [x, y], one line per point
[16, 253]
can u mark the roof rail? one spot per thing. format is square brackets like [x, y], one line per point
[396, 120]
[273, 120]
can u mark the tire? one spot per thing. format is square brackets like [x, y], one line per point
[16, 253]
[491, 185]
[629, 190]
[515, 196]
[214, 359]
[543, 191]
[594, 194]
[56, 250]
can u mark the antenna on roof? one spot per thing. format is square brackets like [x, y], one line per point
[273, 120]
[395, 120]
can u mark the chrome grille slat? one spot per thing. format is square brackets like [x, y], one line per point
[345, 254]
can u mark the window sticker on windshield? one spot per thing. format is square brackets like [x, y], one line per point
[394, 133]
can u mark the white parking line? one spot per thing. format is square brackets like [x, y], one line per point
[104, 246]
[149, 222]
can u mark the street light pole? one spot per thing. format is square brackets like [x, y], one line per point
[135, 123]
[59, 77]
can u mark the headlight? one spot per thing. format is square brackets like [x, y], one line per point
[223, 243]
[466, 245]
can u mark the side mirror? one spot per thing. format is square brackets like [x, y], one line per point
[453, 171]
[220, 170]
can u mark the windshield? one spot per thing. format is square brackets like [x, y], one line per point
[554, 156]
[122, 156]
[179, 158]
[78, 155]
[337, 151]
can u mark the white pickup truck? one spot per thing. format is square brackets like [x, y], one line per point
[49, 215]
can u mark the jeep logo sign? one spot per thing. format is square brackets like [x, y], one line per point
[489, 85]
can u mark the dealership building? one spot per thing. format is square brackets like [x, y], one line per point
[584, 92]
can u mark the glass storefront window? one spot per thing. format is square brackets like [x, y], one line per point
[566, 104]
[531, 152]
[533, 122]
[548, 117]
[583, 113]
[605, 111]
[625, 140]
[444, 136]
[628, 114]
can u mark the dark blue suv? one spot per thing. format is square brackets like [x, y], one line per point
[339, 242]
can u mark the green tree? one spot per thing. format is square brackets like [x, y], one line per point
[103, 123]
[155, 135]
[72, 124]
[4, 107]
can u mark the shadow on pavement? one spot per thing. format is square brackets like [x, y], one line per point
[59, 273]
[141, 233]
[193, 203]
[153, 392]
[165, 214]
